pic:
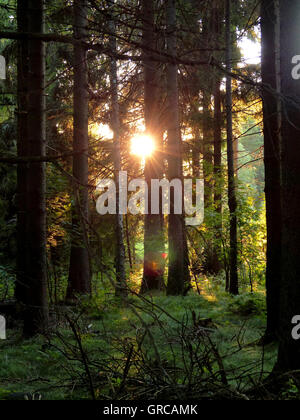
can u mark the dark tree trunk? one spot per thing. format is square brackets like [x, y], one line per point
[236, 156]
[212, 139]
[207, 149]
[121, 288]
[79, 270]
[154, 246]
[22, 237]
[207, 117]
[218, 181]
[36, 314]
[178, 258]
[232, 201]
[218, 149]
[128, 243]
[271, 109]
[196, 153]
[289, 349]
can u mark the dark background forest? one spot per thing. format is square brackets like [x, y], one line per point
[147, 307]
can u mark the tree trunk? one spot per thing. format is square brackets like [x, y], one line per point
[178, 259]
[154, 246]
[218, 181]
[36, 316]
[289, 349]
[272, 157]
[121, 288]
[128, 243]
[79, 270]
[22, 237]
[232, 201]
[217, 147]
[236, 157]
[207, 149]
[196, 153]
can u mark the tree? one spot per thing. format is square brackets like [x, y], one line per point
[178, 258]
[217, 266]
[22, 149]
[79, 269]
[289, 349]
[232, 201]
[115, 124]
[154, 246]
[217, 147]
[271, 109]
[207, 127]
[36, 314]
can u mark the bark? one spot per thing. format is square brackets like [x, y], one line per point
[121, 290]
[36, 314]
[271, 110]
[128, 243]
[79, 269]
[289, 349]
[22, 237]
[207, 92]
[236, 156]
[218, 148]
[178, 258]
[154, 238]
[218, 181]
[207, 150]
[232, 201]
[196, 153]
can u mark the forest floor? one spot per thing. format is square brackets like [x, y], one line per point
[122, 346]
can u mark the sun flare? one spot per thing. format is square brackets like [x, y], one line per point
[101, 131]
[142, 146]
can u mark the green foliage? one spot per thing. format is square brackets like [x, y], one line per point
[252, 239]
[7, 283]
[248, 304]
[152, 326]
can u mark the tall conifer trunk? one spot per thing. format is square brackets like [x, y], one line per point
[178, 276]
[22, 236]
[289, 348]
[271, 109]
[154, 246]
[115, 124]
[232, 201]
[36, 316]
[218, 148]
[79, 270]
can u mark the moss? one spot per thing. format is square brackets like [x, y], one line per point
[33, 366]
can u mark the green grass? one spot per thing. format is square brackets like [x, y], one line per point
[32, 366]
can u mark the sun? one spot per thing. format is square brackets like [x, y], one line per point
[142, 146]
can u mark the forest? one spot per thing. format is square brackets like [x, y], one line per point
[149, 200]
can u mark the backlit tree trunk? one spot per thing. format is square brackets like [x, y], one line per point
[232, 201]
[217, 146]
[154, 246]
[289, 348]
[115, 124]
[22, 237]
[79, 270]
[178, 259]
[36, 317]
[270, 71]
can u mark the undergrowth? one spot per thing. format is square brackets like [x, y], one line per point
[203, 346]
